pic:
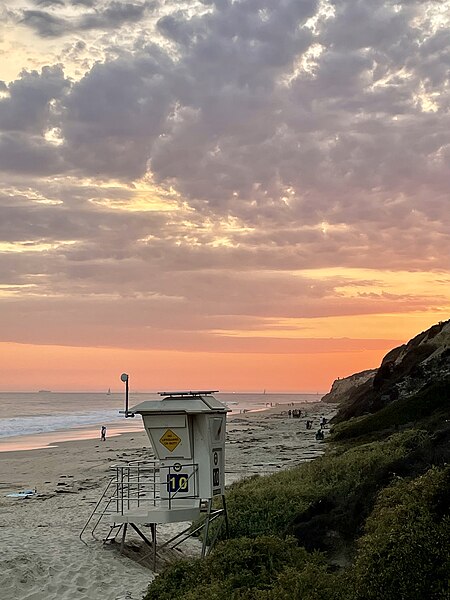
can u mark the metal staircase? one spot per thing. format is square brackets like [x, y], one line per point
[145, 493]
[132, 487]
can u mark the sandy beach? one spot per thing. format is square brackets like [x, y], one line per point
[41, 555]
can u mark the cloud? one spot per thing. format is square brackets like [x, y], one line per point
[44, 24]
[251, 126]
[113, 15]
[88, 3]
[27, 112]
[253, 104]
[47, 3]
[193, 175]
[27, 105]
[23, 154]
[114, 114]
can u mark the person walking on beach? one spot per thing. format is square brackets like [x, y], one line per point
[103, 433]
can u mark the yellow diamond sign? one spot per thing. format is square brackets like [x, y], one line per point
[170, 440]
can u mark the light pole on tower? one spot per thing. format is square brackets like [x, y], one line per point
[124, 377]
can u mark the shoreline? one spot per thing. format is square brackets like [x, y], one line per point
[53, 439]
[41, 556]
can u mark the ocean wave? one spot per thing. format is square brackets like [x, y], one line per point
[16, 426]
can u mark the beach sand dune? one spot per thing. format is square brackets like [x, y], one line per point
[41, 556]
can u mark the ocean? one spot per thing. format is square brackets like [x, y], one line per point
[37, 420]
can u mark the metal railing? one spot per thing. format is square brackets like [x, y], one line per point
[139, 486]
[134, 485]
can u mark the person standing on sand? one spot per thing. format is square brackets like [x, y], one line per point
[103, 433]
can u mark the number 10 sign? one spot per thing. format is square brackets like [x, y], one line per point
[177, 483]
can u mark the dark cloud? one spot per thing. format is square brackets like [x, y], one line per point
[47, 3]
[27, 107]
[114, 15]
[27, 112]
[111, 16]
[369, 25]
[45, 24]
[25, 154]
[114, 114]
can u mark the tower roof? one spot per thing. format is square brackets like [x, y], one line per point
[182, 402]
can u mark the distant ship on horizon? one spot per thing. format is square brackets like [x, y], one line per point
[44, 391]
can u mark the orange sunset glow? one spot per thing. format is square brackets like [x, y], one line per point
[219, 194]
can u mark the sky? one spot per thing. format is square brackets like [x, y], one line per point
[235, 195]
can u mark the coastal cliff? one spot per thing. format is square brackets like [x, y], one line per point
[405, 372]
[342, 388]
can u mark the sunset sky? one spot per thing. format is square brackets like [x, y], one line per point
[239, 195]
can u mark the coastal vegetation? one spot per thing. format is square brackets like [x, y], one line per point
[430, 408]
[369, 520]
[357, 524]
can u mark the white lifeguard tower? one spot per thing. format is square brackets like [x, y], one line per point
[187, 435]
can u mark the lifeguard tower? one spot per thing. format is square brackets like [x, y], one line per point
[187, 435]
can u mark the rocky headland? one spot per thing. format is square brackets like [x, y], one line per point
[419, 368]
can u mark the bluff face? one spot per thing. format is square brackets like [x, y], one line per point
[405, 372]
[342, 388]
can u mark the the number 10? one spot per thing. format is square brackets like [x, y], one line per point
[177, 483]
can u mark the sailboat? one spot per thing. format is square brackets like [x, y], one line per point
[108, 393]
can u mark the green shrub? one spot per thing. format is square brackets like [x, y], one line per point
[428, 408]
[405, 552]
[312, 582]
[332, 493]
[243, 569]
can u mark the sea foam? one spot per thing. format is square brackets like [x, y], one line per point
[16, 426]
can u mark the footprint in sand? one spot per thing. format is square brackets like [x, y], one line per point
[81, 581]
